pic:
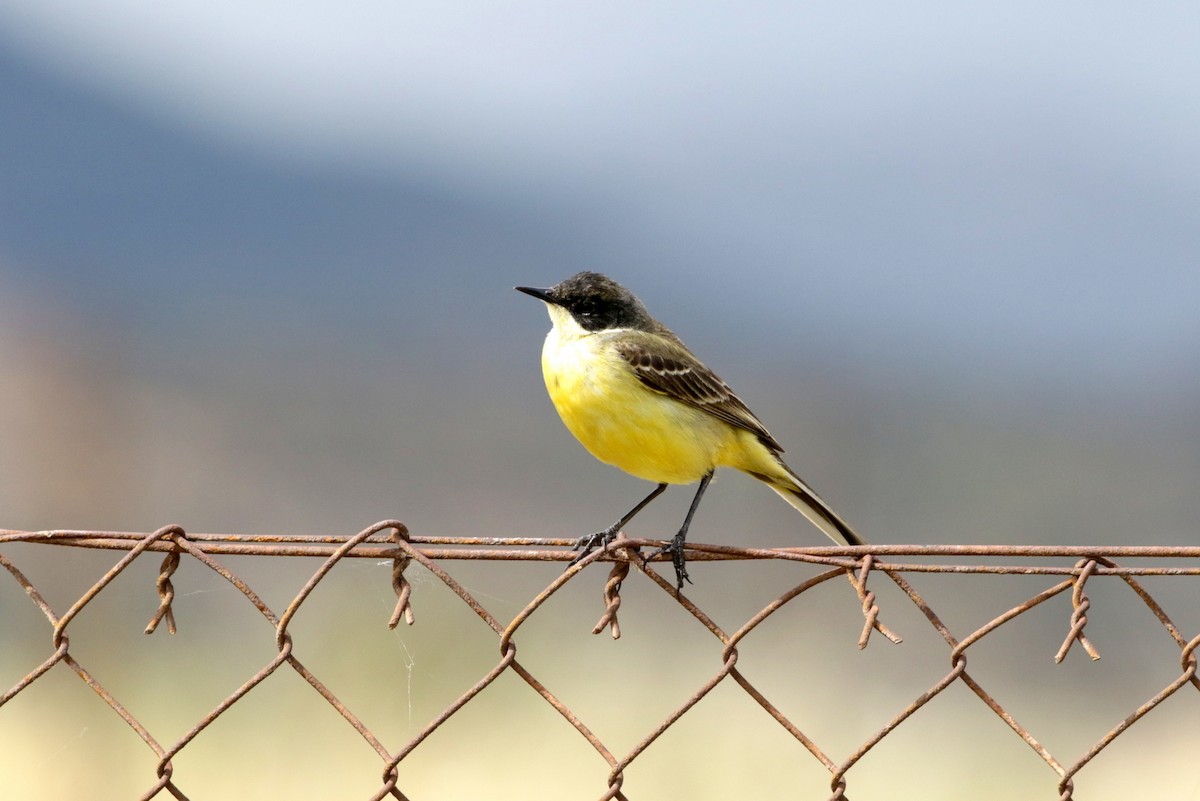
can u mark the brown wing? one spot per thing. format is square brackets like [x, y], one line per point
[666, 366]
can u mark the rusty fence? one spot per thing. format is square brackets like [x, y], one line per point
[864, 567]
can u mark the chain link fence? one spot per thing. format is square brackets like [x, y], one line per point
[863, 567]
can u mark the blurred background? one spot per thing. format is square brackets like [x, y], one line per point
[256, 270]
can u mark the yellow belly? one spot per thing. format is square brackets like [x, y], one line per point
[623, 423]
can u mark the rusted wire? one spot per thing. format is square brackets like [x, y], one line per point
[400, 584]
[1080, 604]
[612, 600]
[390, 539]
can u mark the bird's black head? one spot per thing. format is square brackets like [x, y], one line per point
[596, 302]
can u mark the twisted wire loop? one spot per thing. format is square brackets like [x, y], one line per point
[166, 590]
[870, 609]
[1080, 604]
[166, 594]
[400, 584]
[612, 588]
[391, 540]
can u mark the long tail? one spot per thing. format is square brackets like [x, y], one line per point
[809, 504]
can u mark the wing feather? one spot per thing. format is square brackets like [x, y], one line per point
[668, 367]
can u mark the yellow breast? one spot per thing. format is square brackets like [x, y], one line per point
[619, 420]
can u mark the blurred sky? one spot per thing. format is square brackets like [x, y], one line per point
[257, 259]
[1018, 181]
[871, 220]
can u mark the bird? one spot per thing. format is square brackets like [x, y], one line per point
[636, 398]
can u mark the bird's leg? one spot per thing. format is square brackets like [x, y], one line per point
[675, 547]
[603, 538]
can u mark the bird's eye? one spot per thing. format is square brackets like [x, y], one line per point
[593, 315]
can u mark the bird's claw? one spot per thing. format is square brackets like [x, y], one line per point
[602, 539]
[675, 549]
[586, 544]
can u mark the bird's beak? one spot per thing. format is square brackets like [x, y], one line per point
[541, 294]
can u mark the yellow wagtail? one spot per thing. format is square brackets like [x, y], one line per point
[636, 397]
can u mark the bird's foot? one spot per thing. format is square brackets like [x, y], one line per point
[675, 549]
[590, 542]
